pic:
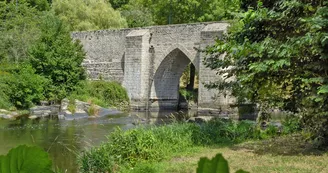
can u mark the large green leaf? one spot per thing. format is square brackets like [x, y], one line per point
[216, 165]
[24, 159]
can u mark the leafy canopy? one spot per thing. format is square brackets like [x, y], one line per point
[162, 12]
[18, 30]
[81, 15]
[277, 54]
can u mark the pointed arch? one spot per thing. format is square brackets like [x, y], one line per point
[191, 56]
[165, 85]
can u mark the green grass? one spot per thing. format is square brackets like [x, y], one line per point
[141, 147]
[282, 154]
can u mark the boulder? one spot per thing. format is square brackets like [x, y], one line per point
[7, 116]
[200, 119]
[44, 111]
[64, 105]
[33, 117]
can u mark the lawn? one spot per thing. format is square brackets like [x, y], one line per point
[289, 154]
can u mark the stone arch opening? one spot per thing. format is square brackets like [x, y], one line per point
[166, 80]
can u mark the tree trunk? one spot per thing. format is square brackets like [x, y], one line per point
[190, 86]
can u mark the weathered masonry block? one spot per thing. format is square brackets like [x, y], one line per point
[149, 61]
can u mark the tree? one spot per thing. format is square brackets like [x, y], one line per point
[56, 57]
[18, 30]
[118, 3]
[83, 15]
[179, 11]
[277, 54]
[137, 15]
[20, 86]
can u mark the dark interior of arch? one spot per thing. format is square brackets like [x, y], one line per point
[167, 78]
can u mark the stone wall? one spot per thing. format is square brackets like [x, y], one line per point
[105, 52]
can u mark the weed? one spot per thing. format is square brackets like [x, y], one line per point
[71, 105]
[93, 110]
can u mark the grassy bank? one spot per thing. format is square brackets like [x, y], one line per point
[139, 148]
[280, 154]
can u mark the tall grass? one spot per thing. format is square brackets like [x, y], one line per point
[152, 144]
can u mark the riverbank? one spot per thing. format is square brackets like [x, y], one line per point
[136, 150]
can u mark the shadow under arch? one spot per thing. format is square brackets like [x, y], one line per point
[165, 85]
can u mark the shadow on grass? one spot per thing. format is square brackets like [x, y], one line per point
[289, 145]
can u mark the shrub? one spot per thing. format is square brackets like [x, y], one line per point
[93, 110]
[71, 105]
[20, 86]
[102, 93]
[291, 124]
[4, 98]
[189, 95]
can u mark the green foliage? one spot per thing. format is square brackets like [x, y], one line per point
[126, 149]
[56, 57]
[177, 11]
[277, 54]
[93, 110]
[41, 5]
[18, 30]
[218, 164]
[291, 124]
[145, 167]
[193, 10]
[81, 15]
[118, 3]
[20, 85]
[141, 144]
[102, 93]
[71, 105]
[189, 95]
[137, 15]
[25, 159]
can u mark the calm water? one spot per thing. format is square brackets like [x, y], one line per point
[63, 140]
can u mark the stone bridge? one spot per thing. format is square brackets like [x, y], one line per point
[149, 61]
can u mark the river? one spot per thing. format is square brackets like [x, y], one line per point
[63, 139]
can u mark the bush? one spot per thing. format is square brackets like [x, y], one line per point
[20, 86]
[291, 124]
[4, 98]
[93, 110]
[316, 123]
[102, 93]
[189, 95]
